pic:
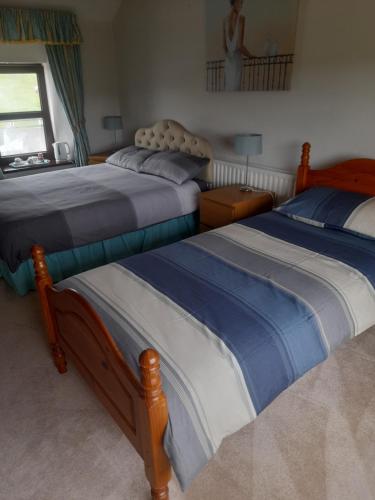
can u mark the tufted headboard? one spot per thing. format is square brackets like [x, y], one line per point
[170, 135]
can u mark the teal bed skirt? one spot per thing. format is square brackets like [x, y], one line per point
[61, 265]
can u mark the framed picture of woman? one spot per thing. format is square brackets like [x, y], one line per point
[250, 44]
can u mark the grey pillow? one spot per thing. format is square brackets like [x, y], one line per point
[174, 166]
[131, 157]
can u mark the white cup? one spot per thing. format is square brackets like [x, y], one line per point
[17, 161]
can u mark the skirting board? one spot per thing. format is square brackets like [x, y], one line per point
[279, 182]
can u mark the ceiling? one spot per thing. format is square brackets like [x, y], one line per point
[98, 10]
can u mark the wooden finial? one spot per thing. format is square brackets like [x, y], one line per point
[158, 469]
[149, 362]
[40, 265]
[43, 282]
[303, 169]
[305, 159]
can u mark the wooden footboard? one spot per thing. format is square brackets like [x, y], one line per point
[138, 406]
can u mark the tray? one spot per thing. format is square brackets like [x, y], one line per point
[25, 164]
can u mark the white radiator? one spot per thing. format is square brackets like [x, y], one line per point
[280, 183]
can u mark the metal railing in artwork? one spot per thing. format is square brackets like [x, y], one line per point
[259, 74]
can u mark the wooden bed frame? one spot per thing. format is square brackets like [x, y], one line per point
[139, 406]
[353, 175]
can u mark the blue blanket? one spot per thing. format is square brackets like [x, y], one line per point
[237, 314]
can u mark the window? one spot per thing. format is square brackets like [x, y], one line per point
[25, 122]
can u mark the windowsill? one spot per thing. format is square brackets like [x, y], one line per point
[12, 170]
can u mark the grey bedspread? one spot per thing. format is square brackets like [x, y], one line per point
[70, 208]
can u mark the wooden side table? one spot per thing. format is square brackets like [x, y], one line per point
[224, 206]
[101, 157]
[96, 158]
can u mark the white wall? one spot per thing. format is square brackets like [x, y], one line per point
[98, 61]
[162, 52]
[100, 76]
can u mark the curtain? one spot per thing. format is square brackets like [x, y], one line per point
[19, 25]
[66, 69]
[60, 33]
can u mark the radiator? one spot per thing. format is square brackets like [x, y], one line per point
[281, 183]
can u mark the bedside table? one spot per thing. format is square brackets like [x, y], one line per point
[96, 158]
[223, 206]
[101, 157]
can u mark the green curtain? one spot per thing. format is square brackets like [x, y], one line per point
[22, 25]
[60, 33]
[66, 69]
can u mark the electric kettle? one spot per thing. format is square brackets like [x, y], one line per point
[61, 151]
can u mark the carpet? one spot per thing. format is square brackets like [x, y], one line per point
[315, 442]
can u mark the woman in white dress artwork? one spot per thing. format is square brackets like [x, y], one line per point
[234, 46]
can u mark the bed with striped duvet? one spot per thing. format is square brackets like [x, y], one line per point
[237, 315]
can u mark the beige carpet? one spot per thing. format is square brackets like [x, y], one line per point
[316, 441]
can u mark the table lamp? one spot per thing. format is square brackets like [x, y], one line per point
[248, 145]
[113, 123]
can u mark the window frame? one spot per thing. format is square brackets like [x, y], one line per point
[44, 113]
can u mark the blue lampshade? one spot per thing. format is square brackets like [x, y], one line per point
[248, 144]
[112, 123]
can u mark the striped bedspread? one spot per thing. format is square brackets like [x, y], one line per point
[237, 315]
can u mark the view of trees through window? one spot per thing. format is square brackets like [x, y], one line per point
[19, 92]
[23, 111]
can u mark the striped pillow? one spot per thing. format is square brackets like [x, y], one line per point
[333, 208]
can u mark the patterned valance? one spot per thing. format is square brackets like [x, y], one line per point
[50, 27]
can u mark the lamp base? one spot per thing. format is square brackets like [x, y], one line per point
[246, 189]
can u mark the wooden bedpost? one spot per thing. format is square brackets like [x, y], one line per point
[43, 282]
[303, 169]
[157, 466]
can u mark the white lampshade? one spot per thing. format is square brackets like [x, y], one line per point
[248, 144]
[112, 123]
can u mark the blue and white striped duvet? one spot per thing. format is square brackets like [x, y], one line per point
[237, 315]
